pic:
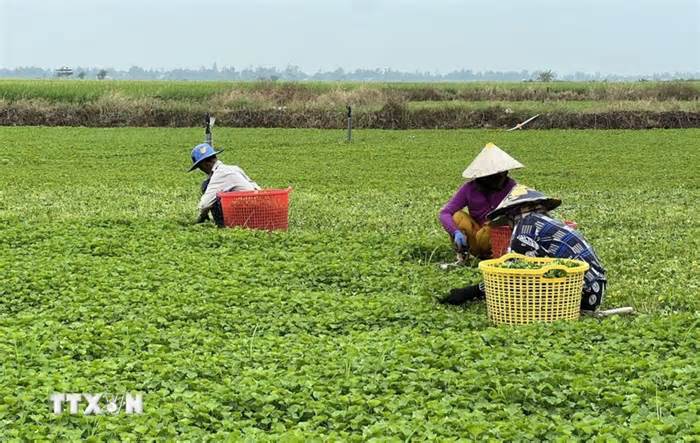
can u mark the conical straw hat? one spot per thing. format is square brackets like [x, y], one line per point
[491, 160]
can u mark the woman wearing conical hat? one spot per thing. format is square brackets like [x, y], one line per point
[464, 216]
[537, 234]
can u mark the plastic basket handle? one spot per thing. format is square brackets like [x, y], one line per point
[544, 269]
[505, 257]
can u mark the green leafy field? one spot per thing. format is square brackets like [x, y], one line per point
[87, 90]
[296, 93]
[331, 330]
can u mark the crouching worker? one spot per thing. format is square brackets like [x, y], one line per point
[464, 216]
[536, 234]
[220, 178]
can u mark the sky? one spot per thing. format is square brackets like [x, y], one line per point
[611, 37]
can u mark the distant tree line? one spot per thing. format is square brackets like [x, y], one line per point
[295, 73]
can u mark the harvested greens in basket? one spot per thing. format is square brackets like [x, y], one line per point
[516, 263]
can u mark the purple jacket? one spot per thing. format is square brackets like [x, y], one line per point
[471, 197]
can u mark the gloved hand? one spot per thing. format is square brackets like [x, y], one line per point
[460, 241]
[460, 296]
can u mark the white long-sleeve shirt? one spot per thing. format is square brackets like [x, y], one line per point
[225, 178]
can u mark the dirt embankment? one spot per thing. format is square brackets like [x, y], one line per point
[390, 116]
[320, 105]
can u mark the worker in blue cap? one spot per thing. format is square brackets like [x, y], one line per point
[220, 178]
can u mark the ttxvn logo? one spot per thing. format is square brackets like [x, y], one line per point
[111, 404]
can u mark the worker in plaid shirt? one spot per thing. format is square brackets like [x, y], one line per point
[536, 234]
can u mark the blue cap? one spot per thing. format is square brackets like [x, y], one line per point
[200, 153]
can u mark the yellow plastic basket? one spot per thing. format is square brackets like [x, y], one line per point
[520, 296]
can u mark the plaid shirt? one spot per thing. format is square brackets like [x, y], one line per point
[538, 235]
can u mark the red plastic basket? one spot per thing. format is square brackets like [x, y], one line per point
[500, 238]
[265, 209]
